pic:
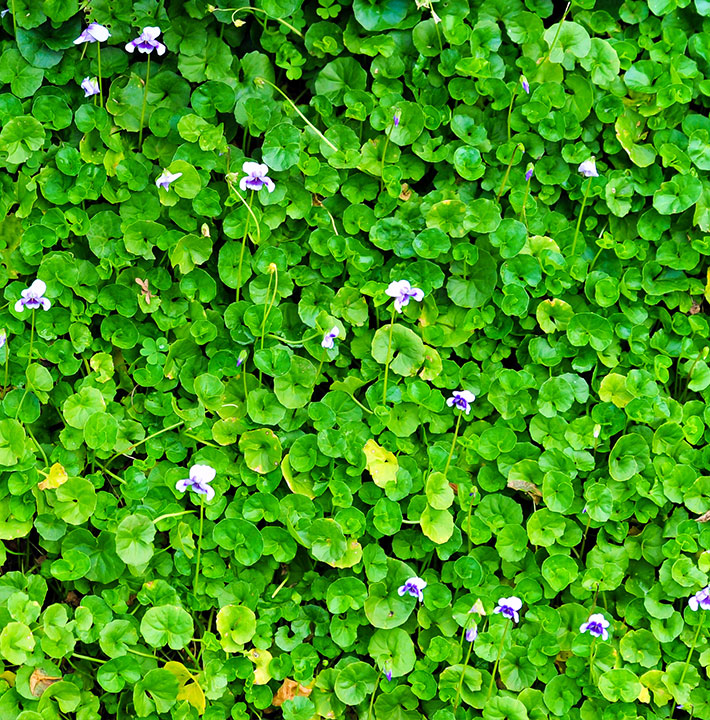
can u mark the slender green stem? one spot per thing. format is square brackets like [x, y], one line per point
[384, 154]
[495, 667]
[453, 444]
[584, 537]
[7, 369]
[284, 340]
[510, 108]
[557, 34]
[273, 275]
[29, 362]
[199, 544]
[144, 440]
[468, 525]
[507, 172]
[244, 244]
[387, 364]
[248, 8]
[145, 99]
[98, 57]
[14, 22]
[690, 654]
[320, 367]
[298, 112]
[170, 515]
[372, 699]
[523, 211]
[463, 673]
[581, 213]
[39, 447]
[592, 653]
[87, 657]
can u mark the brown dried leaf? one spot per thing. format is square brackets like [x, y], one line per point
[526, 487]
[288, 691]
[705, 517]
[40, 681]
[406, 192]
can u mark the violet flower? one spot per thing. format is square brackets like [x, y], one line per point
[508, 607]
[329, 338]
[396, 117]
[526, 85]
[471, 633]
[403, 292]
[256, 177]
[3, 337]
[388, 669]
[596, 626]
[147, 41]
[701, 600]
[166, 178]
[529, 171]
[90, 86]
[413, 587]
[33, 297]
[461, 399]
[588, 168]
[93, 33]
[200, 478]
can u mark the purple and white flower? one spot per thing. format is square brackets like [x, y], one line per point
[403, 292]
[200, 478]
[471, 633]
[90, 86]
[529, 171]
[147, 41]
[3, 337]
[462, 400]
[413, 587]
[388, 669]
[588, 168]
[256, 177]
[33, 297]
[396, 117]
[596, 431]
[596, 626]
[93, 33]
[701, 600]
[329, 338]
[508, 607]
[526, 85]
[166, 178]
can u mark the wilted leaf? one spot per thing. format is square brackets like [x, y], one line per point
[381, 464]
[288, 691]
[57, 476]
[40, 680]
[260, 658]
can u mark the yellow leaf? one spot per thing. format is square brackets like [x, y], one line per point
[261, 658]
[707, 288]
[189, 689]
[381, 464]
[644, 695]
[8, 677]
[57, 476]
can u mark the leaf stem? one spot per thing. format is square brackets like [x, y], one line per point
[453, 444]
[581, 213]
[170, 515]
[199, 544]
[495, 667]
[557, 34]
[387, 363]
[510, 108]
[463, 673]
[248, 8]
[144, 440]
[690, 654]
[98, 57]
[145, 98]
[29, 362]
[372, 699]
[300, 114]
[244, 243]
[507, 171]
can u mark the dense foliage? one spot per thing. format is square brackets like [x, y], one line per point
[403, 418]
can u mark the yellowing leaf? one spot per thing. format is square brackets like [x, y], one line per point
[57, 476]
[381, 464]
[352, 556]
[189, 689]
[644, 695]
[40, 681]
[8, 677]
[706, 293]
[261, 658]
[288, 691]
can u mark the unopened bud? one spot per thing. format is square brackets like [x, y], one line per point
[205, 230]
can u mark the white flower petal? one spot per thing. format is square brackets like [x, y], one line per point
[202, 473]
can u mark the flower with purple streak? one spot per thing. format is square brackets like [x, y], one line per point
[529, 171]
[596, 626]
[413, 587]
[33, 297]
[147, 41]
[403, 292]
[471, 633]
[3, 337]
[461, 399]
[526, 85]
[256, 177]
[701, 600]
[329, 338]
[93, 33]
[396, 117]
[200, 478]
[166, 179]
[90, 86]
[508, 607]
[588, 168]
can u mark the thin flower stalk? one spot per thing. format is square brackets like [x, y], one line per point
[389, 354]
[581, 213]
[145, 100]
[497, 662]
[248, 8]
[262, 80]
[690, 655]
[519, 146]
[392, 125]
[557, 35]
[273, 277]
[463, 674]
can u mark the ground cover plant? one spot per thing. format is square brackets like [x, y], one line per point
[354, 359]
